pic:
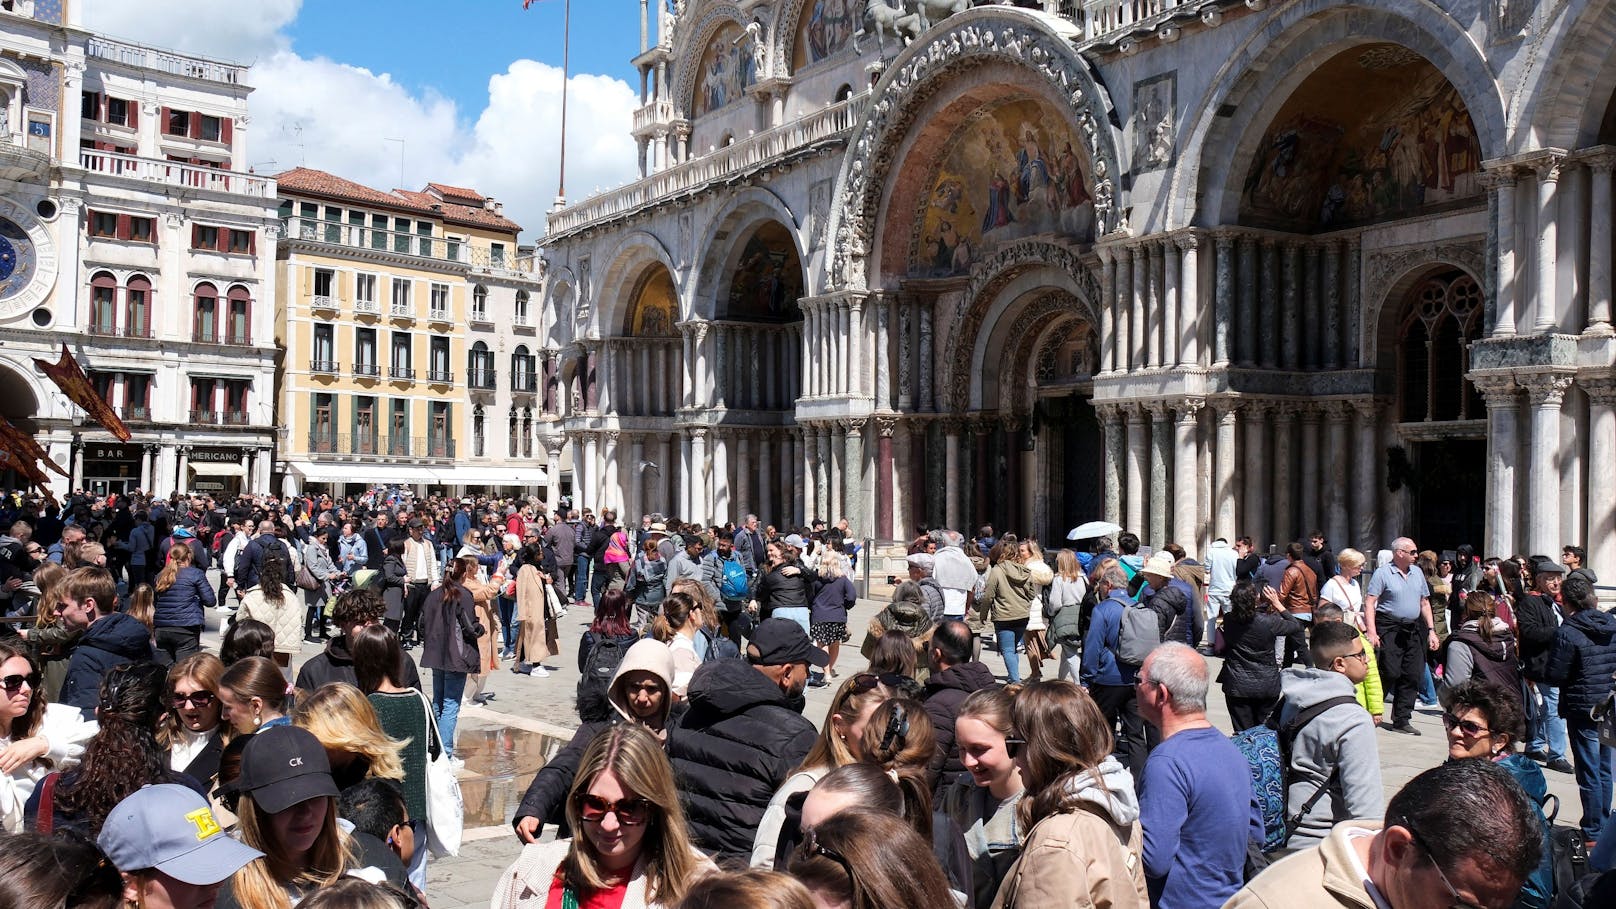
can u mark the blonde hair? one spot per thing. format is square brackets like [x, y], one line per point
[342, 718]
[89, 552]
[830, 564]
[48, 578]
[636, 758]
[1350, 558]
[178, 557]
[1067, 566]
[698, 592]
[142, 607]
[829, 750]
[262, 882]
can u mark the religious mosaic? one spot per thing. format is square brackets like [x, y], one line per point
[728, 68]
[1375, 133]
[656, 306]
[827, 26]
[1011, 171]
[768, 281]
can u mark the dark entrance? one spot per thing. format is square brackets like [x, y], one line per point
[1072, 429]
[1449, 493]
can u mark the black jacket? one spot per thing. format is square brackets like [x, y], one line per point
[1535, 625]
[1582, 661]
[778, 590]
[335, 664]
[1249, 668]
[731, 750]
[111, 640]
[944, 693]
[251, 558]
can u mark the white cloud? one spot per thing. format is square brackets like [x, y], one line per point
[329, 115]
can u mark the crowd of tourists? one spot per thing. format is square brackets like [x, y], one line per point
[139, 768]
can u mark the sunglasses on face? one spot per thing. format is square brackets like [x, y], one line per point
[630, 812]
[1470, 728]
[195, 699]
[866, 681]
[13, 683]
[1013, 745]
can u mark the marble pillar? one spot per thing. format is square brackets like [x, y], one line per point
[1545, 313]
[1366, 492]
[1172, 305]
[1157, 307]
[924, 363]
[746, 498]
[884, 529]
[1310, 301]
[1130, 275]
[858, 385]
[1335, 472]
[905, 513]
[1223, 493]
[1111, 456]
[146, 470]
[1186, 475]
[1161, 465]
[1192, 308]
[1268, 314]
[720, 490]
[1352, 342]
[1246, 345]
[881, 354]
[700, 495]
[1309, 518]
[1599, 251]
[1138, 429]
[1601, 469]
[841, 478]
[552, 476]
[1108, 319]
[857, 513]
[1500, 185]
[1290, 316]
[1254, 510]
[906, 350]
[612, 495]
[1330, 346]
[1283, 473]
[810, 471]
[184, 475]
[951, 462]
[1546, 392]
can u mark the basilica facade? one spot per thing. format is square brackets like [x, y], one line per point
[1203, 268]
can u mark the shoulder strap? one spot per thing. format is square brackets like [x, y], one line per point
[45, 820]
[1303, 717]
[434, 741]
[1293, 819]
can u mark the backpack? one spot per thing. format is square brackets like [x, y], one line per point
[1568, 853]
[1268, 752]
[719, 647]
[734, 586]
[1139, 635]
[599, 668]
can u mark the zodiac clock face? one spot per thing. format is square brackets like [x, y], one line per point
[27, 262]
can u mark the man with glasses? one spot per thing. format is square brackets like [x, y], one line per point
[1397, 608]
[1334, 771]
[1462, 835]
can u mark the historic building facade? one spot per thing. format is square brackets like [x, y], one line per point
[1237, 266]
[399, 312]
[132, 231]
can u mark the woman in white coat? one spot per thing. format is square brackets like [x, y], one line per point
[32, 732]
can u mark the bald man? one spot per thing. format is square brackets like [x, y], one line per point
[1397, 607]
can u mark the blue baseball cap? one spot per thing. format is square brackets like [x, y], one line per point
[171, 828]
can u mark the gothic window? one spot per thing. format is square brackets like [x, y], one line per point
[1441, 317]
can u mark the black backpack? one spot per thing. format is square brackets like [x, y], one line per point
[604, 658]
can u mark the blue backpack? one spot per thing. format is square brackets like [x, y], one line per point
[1268, 751]
[734, 586]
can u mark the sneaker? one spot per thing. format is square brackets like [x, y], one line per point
[539, 671]
[1404, 728]
[1560, 765]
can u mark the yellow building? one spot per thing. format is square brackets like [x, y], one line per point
[374, 296]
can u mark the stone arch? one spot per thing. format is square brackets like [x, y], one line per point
[653, 310]
[560, 293]
[21, 395]
[1389, 274]
[637, 250]
[1563, 92]
[1261, 76]
[688, 63]
[965, 42]
[787, 25]
[1043, 321]
[724, 241]
[1011, 278]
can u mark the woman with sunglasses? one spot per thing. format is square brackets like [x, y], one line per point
[1083, 843]
[34, 735]
[1486, 721]
[840, 742]
[193, 730]
[984, 803]
[630, 846]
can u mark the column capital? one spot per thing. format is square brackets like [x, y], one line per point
[1309, 412]
[953, 424]
[553, 451]
[1598, 158]
[698, 433]
[1189, 409]
[886, 425]
[853, 428]
[1497, 391]
[1599, 391]
[1159, 411]
[1284, 410]
[1546, 388]
[1337, 411]
[1109, 414]
[612, 436]
[1187, 240]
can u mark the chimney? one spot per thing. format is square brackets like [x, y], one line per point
[490, 205]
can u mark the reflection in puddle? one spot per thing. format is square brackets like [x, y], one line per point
[500, 763]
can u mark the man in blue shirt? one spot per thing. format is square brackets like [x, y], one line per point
[1397, 608]
[1195, 791]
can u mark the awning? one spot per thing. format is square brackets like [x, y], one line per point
[312, 472]
[495, 476]
[217, 469]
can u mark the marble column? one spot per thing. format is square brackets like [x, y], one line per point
[1156, 307]
[1186, 474]
[1290, 316]
[1545, 314]
[1268, 315]
[1309, 301]
[1138, 466]
[858, 385]
[828, 493]
[881, 354]
[906, 372]
[1282, 475]
[612, 495]
[951, 461]
[1335, 472]
[1309, 518]
[687, 491]
[1352, 344]
[904, 512]
[843, 380]
[720, 490]
[183, 478]
[1366, 492]
[146, 469]
[1111, 456]
[1108, 319]
[1138, 320]
[76, 469]
[1191, 308]
[924, 377]
[1331, 287]
[857, 494]
[1599, 246]
[1546, 392]
[1254, 511]
[1223, 493]
[746, 498]
[552, 476]
[1122, 304]
[1500, 184]
[1161, 460]
[841, 479]
[1601, 468]
[587, 476]
[810, 471]
[1246, 346]
[1172, 347]
[701, 507]
[884, 529]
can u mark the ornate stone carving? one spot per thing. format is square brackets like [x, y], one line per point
[1155, 105]
[1189, 409]
[1497, 391]
[965, 43]
[695, 36]
[853, 428]
[886, 425]
[1546, 388]
[1383, 268]
[1599, 391]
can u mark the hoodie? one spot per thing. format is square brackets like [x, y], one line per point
[1088, 855]
[1108, 787]
[1582, 661]
[1339, 741]
[546, 796]
[1220, 560]
[109, 641]
[945, 691]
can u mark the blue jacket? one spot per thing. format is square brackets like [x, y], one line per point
[1538, 891]
[142, 541]
[181, 604]
[462, 526]
[111, 640]
[1582, 660]
[1100, 666]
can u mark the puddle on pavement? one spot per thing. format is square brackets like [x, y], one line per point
[500, 763]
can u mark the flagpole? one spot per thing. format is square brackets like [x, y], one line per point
[566, 48]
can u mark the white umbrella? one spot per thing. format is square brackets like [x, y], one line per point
[1093, 529]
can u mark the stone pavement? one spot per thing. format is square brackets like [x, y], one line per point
[529, 718]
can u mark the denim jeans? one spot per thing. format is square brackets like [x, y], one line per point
[1593, 766]
[447, 689]
[1071, 663]
[1010, 635]
[1546, 730]
[507, 621]
[1428, 687]
[580, 578]
[798, 614]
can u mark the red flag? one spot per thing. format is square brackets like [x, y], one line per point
[23, 446]
[29, 470]
[76, 385]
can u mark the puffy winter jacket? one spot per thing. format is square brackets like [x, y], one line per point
[181, 605]
[732, 749]
[111, 640]
[1466, 656]
[1582, 661]
[1249, 668]
[944, 693]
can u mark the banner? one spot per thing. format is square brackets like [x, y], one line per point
[76, 385]
[29, 469]
[22, 446]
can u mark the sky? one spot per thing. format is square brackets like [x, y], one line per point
[396, 93]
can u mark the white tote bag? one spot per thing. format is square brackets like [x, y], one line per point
[445, 809]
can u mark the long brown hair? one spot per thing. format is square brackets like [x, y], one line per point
[203, 668]
[256, 677]
[123, 755]
[377, 657]
[899, 739]
[829, 750]
[754, 888]
[1480, 606]
[636, 758]
[676, 609]
[1067, 736]
[26, 725]
[871, 860]
[261, 883]
[48, 578]
[178, 557]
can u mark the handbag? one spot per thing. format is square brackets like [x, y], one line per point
[445, 807]
[305, 579]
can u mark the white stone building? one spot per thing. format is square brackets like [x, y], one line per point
[1203, 267]
[141, 242]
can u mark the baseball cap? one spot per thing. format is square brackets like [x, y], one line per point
[171, 828]
[781, 641]
[284, 766]
[795, 541]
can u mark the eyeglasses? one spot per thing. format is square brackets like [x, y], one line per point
[195, 699]
[1459, 902]
[13, 683]
[630, 812]
[1013, 745]
[35, 550]
[1361, 654]
[1470, 728]
[811, 847]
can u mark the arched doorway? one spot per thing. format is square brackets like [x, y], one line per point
[18, 405]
